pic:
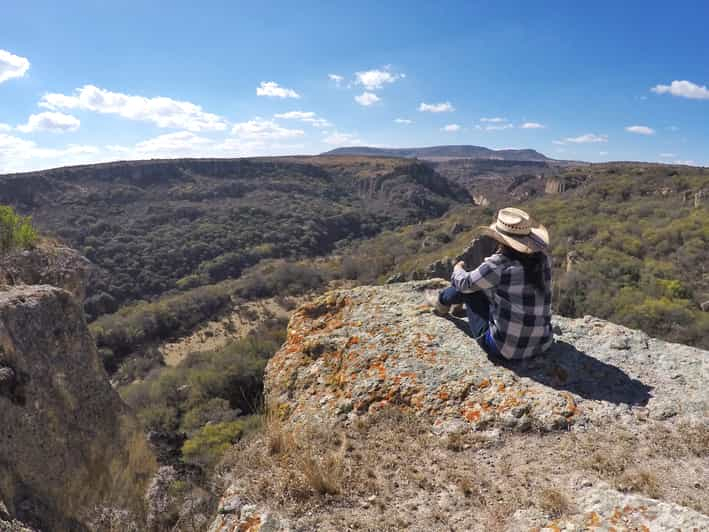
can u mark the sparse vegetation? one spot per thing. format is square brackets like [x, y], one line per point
[213, 398]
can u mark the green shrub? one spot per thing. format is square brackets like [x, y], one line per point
[210, 443]
[16, 232]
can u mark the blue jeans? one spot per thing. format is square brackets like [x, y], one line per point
[478, 308]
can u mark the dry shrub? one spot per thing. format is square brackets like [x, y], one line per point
[695, 437]
[554, 502]
[289, 463]
[639, 480]
[324, 474]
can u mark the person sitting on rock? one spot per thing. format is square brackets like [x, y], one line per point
[507, 297]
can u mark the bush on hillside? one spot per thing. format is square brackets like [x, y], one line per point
[16, 232]
[220, 389]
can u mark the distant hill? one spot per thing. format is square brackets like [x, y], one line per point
[438, 153]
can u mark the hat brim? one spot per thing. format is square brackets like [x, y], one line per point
[536, 241]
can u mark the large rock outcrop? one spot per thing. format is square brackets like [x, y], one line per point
[356, 350]
[68, 446]
[48, 263]
[353, 353]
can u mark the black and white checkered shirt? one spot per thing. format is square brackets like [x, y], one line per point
[520, 315]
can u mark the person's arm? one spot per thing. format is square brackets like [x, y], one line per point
[485, 276]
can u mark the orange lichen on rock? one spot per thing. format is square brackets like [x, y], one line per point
[252, 524]
[593, 519]
[471, 415]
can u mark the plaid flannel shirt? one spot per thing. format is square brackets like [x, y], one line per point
[520, 315]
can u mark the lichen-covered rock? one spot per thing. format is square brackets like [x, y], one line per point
[67, 442]
[353, 351]
[353, 356]
[234, 514]
[608, 509]
[48, 263]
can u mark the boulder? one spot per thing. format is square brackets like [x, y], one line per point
[68, 444]
[48, 263]
[353, 351]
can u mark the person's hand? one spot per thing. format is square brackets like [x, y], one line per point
[459, 265]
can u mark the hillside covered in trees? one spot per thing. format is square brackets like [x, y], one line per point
[156, 226]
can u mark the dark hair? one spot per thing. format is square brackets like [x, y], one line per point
[533, 264]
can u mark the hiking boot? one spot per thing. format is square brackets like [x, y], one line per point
[459, 310]
[431, 297]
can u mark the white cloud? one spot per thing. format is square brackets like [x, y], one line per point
[444, 107]
[187, 144]
[336, 78]
[261, 130]
[50, 121]
[335, 138]
[588, 138]
[162, 111]
[494, 120]
[602, 153]
[403, 121]
[271, 88]
[532, 125]
[686, 163]
[5, 127]
[558, 142]
[308, 117]
[668, 155]
[12, 66]
[684, 89]
[451, 128]
[178, 144]
[640, 130]
[376, 79]
[497, 127]
[672, 128]
[18, 155]
[367, 99]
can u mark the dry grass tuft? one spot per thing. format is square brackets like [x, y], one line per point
[639, 480]
[554, 502]
[324, 474]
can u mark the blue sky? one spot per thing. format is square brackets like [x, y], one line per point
[85, 81]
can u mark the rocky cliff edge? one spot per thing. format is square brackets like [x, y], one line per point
[610, 424]
[71, 456]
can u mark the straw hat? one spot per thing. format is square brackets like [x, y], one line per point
[518, 230]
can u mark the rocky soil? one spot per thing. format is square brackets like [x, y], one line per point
[383, 416]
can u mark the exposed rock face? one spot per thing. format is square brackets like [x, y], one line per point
[554, 186]
[47, 264]
[353, 353]
[356, 350]
[67, 443]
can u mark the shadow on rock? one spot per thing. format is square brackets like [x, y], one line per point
[563, 367]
